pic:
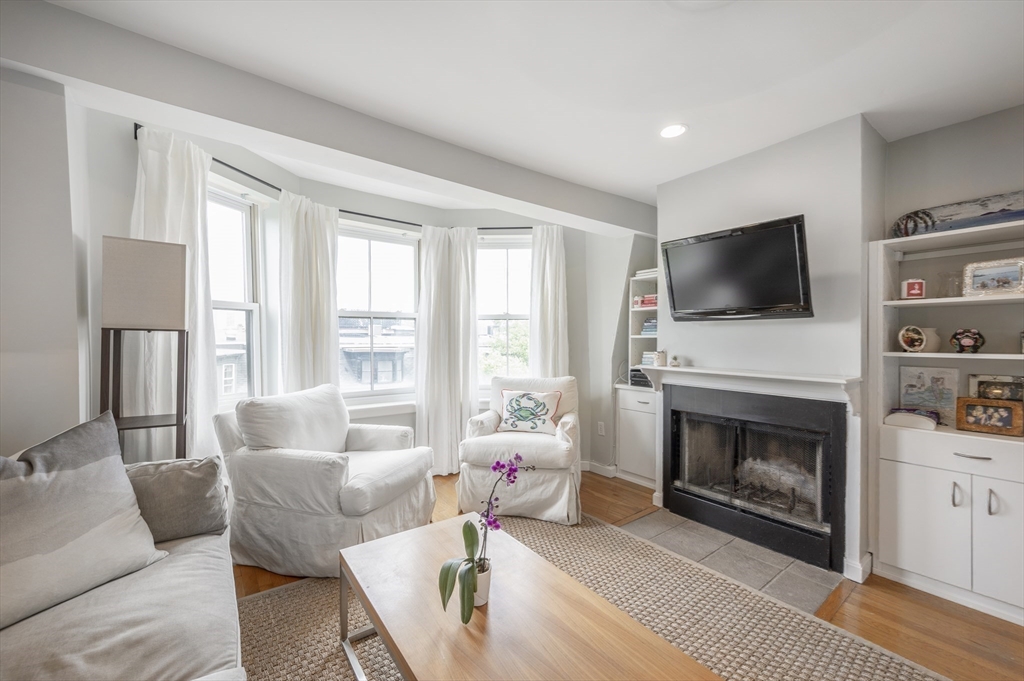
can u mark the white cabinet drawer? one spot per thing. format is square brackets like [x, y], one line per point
[1000, 458]
[638, 401]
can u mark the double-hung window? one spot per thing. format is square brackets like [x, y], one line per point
[377, 290]
[503, 308]
[232, 241]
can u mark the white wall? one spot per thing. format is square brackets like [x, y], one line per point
[969, 160]
[817, 174]
[39, 367]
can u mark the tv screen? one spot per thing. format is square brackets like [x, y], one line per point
[754, 271]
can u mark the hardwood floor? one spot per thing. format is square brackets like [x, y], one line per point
[953, 640]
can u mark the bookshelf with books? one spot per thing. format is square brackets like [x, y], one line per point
[643, 317]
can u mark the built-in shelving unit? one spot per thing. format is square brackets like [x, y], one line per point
[640, 343]
[939, 499]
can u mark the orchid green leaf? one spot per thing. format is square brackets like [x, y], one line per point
[467, 587]
[471, 538]
[446, 580]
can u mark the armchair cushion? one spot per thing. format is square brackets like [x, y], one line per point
[375, 478]
[182, 497]
[366, 437]
[315, 420]
[542, 451]
[295, 480]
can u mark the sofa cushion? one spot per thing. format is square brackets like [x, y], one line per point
[314, 419]
[69, 521]
[176, 619]
[563, 384]
[375, 478]
[181, 498]
[542, 451]
[528, 412]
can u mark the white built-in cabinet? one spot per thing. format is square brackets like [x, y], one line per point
[947, 505]
[637, 435]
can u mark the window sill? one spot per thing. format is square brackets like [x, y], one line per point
[372, 410]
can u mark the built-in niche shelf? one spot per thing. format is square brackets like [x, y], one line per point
[957, 355]
[947, 430]
[1017, 298]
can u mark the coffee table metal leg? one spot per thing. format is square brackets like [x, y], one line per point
[348, 639]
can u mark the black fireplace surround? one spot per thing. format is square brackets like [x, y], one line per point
[765, 468]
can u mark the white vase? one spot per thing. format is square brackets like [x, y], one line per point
[483, 586]
[932, 342]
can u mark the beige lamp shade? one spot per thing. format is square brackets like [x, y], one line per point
[145, 285]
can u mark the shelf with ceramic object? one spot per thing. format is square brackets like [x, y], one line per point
[1004, 299]
[999, 356]
[978, 239]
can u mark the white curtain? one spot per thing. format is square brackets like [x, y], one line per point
[446, 380]
[309, 309]
[549, 313]
[170, 205]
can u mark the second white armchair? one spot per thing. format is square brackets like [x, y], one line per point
[552, 492]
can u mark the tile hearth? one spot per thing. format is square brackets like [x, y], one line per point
[792, 581]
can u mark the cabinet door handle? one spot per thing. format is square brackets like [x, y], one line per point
[990, 495]
[952, 495]
[642, 402]
[972, 456]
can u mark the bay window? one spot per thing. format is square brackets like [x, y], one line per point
[503, 275]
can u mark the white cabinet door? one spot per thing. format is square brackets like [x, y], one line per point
[999, 539]
[924, 522]
[637, 434]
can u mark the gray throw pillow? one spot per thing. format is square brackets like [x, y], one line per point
[181, 498]
[69, 521]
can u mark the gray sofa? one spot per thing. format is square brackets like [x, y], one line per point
[175, 619]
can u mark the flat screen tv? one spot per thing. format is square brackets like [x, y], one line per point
[757, 271]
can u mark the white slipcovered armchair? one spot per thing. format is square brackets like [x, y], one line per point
[306, 483]
[552, 492]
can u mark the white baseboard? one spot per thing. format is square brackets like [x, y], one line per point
[584, 465]
[658, 499]
[636, 479]
[991, 606]
[857, 571]
[601, 469]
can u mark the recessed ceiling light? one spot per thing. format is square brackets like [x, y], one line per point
[673, 130]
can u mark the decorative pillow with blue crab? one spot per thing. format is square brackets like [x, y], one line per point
[528, 412]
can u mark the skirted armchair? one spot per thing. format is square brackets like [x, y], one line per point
[307, 483]
[552, 492]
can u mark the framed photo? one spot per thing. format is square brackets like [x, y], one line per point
[999, 417]
[994, 277]
[996, 387]
[930, 388]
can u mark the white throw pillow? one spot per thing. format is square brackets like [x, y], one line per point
[528, 412]
[69, 520]
[315, 420]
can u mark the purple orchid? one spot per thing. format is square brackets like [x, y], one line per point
[509, 472]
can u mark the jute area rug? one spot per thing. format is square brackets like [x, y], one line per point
[291, 632]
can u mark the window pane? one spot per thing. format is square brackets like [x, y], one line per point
[519, 266]
[354, 338]
[393, 277]
[491, 273]
[393, 353]
[519, 347]
[492, 341]
[226, 237]
[234, 356]
[353, 274]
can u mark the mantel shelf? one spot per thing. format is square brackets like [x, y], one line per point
[957, 355]
[758, 375]
[957, 302]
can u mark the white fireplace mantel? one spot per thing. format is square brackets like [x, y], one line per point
[810, 386]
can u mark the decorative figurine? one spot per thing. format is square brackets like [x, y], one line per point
[919, 339]
[967, 340]
[674, 362]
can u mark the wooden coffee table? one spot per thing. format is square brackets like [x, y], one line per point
[539, 622]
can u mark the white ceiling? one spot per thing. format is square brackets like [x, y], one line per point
[580, 90]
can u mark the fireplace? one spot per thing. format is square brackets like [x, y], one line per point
[766, 468]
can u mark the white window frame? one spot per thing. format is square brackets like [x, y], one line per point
[505, 243]
[250, 211]
[349, 229]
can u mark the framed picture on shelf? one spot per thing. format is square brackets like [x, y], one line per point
[931, 388]
[994, 277]
[998, 417]
[996, 387]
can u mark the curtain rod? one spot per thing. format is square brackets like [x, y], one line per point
[138, 126]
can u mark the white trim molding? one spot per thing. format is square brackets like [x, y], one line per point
[601, 469]
[857, 571]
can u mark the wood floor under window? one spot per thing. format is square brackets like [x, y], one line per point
[950, 639]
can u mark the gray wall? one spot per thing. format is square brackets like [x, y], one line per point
[39, 367]
[819, 175]
[969, 160]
